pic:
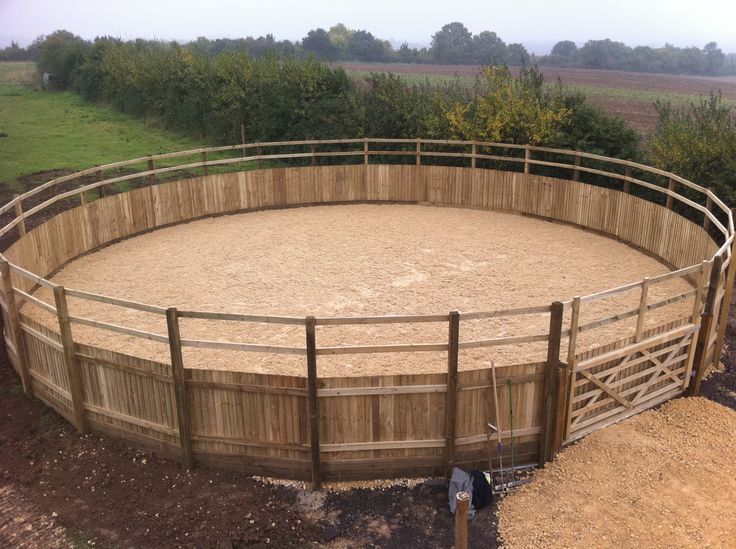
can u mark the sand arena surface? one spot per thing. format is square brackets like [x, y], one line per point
[359, 260]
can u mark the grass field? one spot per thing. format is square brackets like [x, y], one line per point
[44, 131]
[628, 95]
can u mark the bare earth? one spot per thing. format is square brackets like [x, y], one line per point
[360, 260]
[665, 478]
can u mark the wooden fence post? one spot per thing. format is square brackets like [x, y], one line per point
[451, 395]
[552, 408]
[462, 500]
[258, 154]
[627, 184]
[419, 153]
[313, 148]
[576, 171]
[365, 152]
[670, 198]
[14, 331]
[242, 139]
[709, 207]
[313, 402]
[19, 213]
[473, 152]
[180, 388]
[641, 316]
[101, 188]
[726, 303]
[706, 328]
[571, 363]
[70, 359]
[204, 159]
[527, 158]
[151, 177]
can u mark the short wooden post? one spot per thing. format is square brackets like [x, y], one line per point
[726, 303]
[551, 407]
[627, 183]
[670, 198]
[527, 158]
[462, 501]
[83, 198]
[313, 147]
[313, 402]
[365, 152]
[576, 171]
[451, 395]
[473, 152]
[418, 154]
[706, 329]
[180, 388]
[101, 188]
[571, 363]
[14, 332]
[258, 154]
[641, 317]
[57, 203]
[19, 213]
[151, 177]
[204, 159]
[709, 207]
[70, 359]
[242, 139]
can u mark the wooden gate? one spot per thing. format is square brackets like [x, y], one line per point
[614, 384]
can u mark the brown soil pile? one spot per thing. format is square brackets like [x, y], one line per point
[361, 260]
[665, 478]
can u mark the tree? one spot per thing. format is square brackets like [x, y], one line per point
[564, 48]
[452, 45]
[518, 55]
[318, 42]
[699, 143]
[512, 110]
[714, 58]
[60, 55]
[489, 49]
[362, 45]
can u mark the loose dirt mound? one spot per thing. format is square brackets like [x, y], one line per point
[665, 478]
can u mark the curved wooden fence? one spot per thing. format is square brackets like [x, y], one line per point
[312, 427]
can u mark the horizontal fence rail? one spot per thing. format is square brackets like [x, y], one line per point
[306, 427]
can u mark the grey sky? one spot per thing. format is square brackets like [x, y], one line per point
[535, 23]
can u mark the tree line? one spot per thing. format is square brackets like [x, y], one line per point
[454, 44]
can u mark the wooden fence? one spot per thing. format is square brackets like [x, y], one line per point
[335, 428]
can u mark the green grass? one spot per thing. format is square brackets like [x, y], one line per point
[51, 130]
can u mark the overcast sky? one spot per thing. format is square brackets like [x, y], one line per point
[536, 23]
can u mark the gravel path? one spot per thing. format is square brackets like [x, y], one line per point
[665, 478]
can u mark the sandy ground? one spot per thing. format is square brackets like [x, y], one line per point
[360, 260]
[665, 478]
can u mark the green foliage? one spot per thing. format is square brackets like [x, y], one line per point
[512, 110]
[698, 143]
[60, 54]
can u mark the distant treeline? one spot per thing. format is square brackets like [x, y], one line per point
[606, 54]
[454, 44]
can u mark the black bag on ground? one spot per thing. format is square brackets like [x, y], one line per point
[482, 495]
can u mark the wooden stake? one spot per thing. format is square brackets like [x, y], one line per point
[552, 407]
[641, 317]
[418, 153]
[365, 152]
[204, 159]
[242, 140]
[462, 500]
[706, 327]
[70, 360]
[101, 188]
[670, 198]
[527, 157]
[151, 177]
[180, 389]
[709, 207]
[313, 147]
[571, 363]
[627, 184]
[451, 396]
[14, 331]
[19, 213]
[313, 402]
[576, 171]
[473, 151]
[258, 153]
